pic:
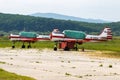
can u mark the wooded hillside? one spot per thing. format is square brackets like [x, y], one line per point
[16, 23]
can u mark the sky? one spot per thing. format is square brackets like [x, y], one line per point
[95, 9]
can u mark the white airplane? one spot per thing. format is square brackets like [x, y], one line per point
[70, 41]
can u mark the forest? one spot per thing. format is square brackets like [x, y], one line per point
[14, 23]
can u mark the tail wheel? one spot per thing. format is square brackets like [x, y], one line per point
[83, 49]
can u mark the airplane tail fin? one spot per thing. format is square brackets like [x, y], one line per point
[106, 33]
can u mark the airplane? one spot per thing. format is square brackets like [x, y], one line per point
[67, 39]
[105, 35]
[70, 42]
[29, 37]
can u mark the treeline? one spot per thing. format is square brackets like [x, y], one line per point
[14, 23]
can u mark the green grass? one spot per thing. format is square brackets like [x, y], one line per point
[2, 62]
[108, 48]
[4, 75]
[40, 44]
[113, 45]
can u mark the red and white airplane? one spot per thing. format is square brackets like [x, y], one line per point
[28, 38]
[104, 36]
[67, 43]
[56, 35]
[67, 39]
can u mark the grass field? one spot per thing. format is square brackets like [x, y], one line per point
[4, 75]
[108, 48]
[113, 45]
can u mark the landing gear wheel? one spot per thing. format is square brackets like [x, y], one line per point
[55, 48]
[13, 47]
[66, 49]
[29, 46]
[76, 49]
[23, 46]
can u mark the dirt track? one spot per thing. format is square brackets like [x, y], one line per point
[61, 65]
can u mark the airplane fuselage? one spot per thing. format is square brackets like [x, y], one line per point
[95, 38]
[28, 39]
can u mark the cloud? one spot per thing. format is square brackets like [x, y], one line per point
[106, 9]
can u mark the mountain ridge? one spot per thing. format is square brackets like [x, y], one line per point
[65, 17]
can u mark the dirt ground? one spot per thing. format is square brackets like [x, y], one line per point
[47, 64]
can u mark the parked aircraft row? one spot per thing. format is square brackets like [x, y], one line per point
[68, 39]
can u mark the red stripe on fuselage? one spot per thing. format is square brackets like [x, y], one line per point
[58, 37]
[88, 40]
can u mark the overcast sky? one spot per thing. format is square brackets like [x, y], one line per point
[96, 9]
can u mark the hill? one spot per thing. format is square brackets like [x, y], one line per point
[14, 23]
[65, 17]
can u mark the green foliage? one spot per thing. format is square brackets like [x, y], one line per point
[4, 75]
[10, 23]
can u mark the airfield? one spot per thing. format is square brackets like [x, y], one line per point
[46, 64]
